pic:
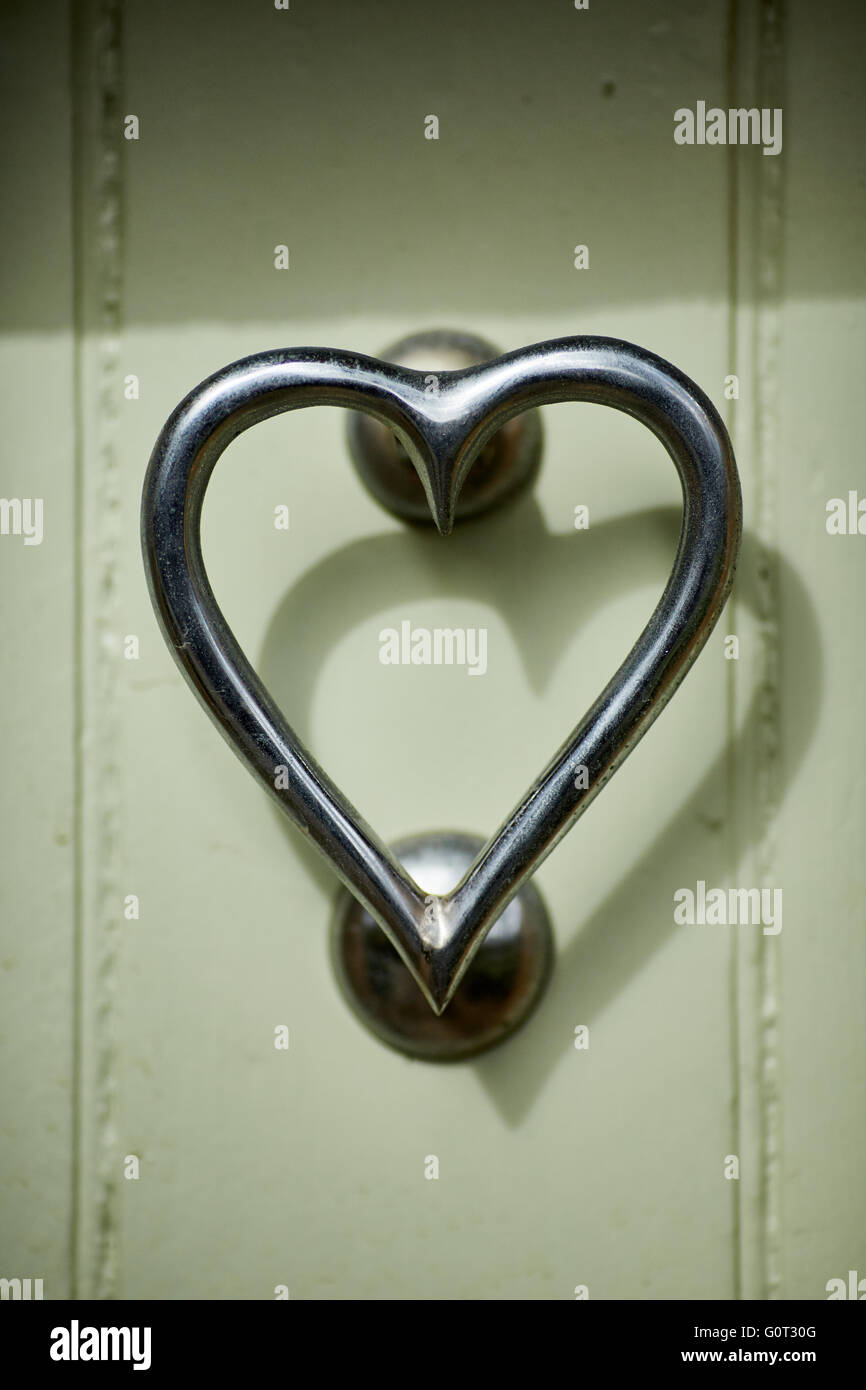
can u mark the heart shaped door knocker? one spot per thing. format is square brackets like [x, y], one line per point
[452, 909]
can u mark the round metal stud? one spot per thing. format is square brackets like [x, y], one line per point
[502, 985]
[506, 465]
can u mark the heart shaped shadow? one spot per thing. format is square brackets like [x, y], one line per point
[361, 579]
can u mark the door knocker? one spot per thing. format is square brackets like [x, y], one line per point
[459, 916]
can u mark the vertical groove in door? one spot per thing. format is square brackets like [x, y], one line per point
[756, 245]
[97, 139]
[769, 260]
[76, 180]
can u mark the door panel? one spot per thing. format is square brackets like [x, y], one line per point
[559, 1167]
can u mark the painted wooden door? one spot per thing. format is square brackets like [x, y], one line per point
[683, 1116]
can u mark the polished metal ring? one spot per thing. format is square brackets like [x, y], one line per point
[438, 934]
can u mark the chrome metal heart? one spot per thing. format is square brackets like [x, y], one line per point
[443, 434]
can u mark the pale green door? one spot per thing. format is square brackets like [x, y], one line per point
[160, 922]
